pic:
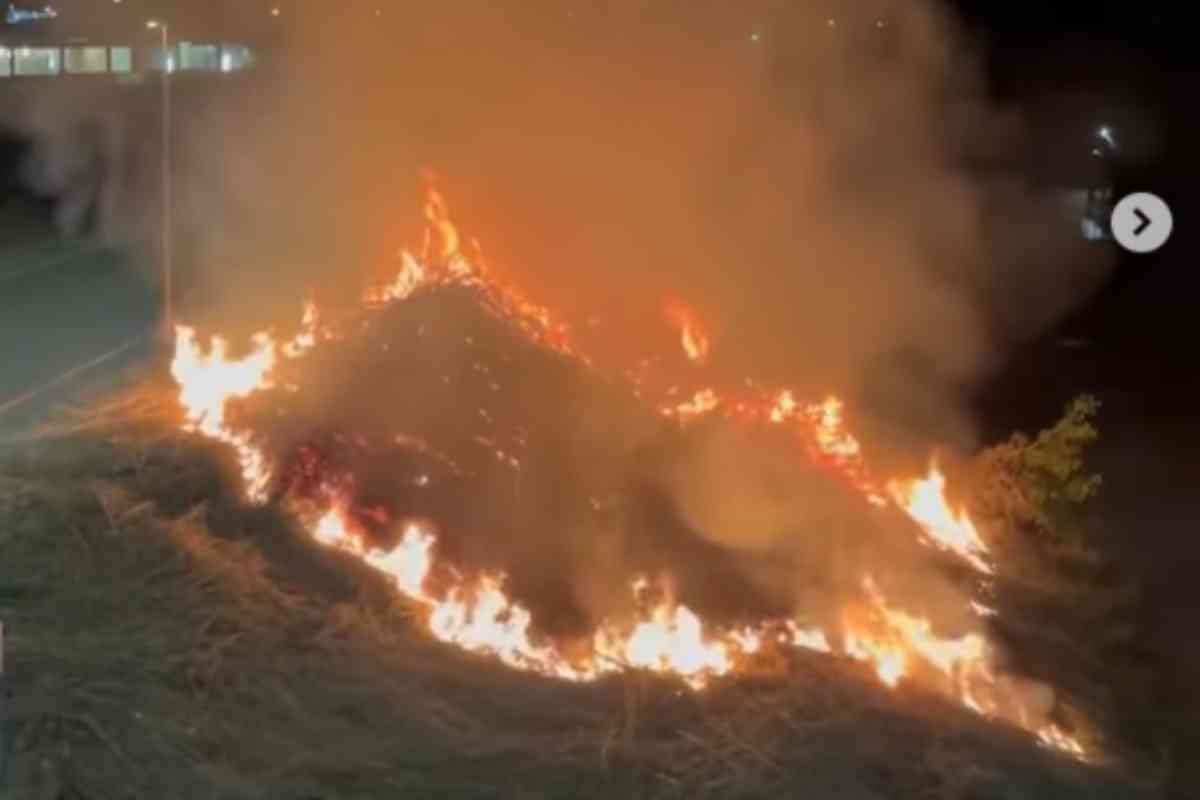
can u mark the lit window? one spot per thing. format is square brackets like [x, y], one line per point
[164, 59]
[199, 56]
[235, 57]
[121, 59]
[5, 62]
[38, 61]
[86, 60]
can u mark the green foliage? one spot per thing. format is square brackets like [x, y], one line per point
[1069, 606]
[1045, 480]
[1053, 464]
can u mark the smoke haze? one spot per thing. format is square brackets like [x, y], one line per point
[825, 183]
[835, 199]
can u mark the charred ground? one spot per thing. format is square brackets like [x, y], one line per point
[169, 640]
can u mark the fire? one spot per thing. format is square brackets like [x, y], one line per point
[806, 638]
[210, 380]
[477, 614]
[889, 658]
[691, 334]
[672, 640]
[700, 404]
[925, 501]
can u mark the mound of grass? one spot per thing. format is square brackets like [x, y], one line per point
[167, 640]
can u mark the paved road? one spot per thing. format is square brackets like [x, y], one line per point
[62, 306]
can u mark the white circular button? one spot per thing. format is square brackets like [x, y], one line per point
[1141, 222]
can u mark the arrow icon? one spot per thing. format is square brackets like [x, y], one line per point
[1143, 222]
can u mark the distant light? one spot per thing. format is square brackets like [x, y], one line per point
[1106, 133]
[755, 36]
[15, 15]
[153, 24]
[832, 22]
[275, 11]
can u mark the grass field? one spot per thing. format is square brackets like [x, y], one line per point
[167, 640]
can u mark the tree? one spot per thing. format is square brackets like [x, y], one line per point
[1043, 483]
[1069, 605]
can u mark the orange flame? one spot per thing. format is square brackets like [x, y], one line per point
[478, 615]
[925, 501]
[691, 333]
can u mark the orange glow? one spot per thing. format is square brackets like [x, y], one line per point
[925, 501]
[701, 403]
[476, 612]
[889, 659]
[691, 333]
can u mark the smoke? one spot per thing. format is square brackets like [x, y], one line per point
[825, 183]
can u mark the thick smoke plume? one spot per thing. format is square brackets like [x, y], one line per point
[824, 183]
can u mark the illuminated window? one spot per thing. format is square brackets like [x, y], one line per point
[199, 56]
[38, 61]
[168, 59]
[121, 59]
[86, 60]
[5, 62]
[235, 57]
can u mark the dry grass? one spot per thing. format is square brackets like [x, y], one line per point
[169, 641]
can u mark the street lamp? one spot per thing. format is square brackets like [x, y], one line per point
[167, 269]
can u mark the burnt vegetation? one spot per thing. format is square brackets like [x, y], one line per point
[169, 639]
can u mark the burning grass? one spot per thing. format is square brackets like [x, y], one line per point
[169, 639]
[646, 514]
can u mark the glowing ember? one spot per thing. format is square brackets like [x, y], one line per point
[703, 402]
[477, 614]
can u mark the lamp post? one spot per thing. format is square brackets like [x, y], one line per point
[167, 267]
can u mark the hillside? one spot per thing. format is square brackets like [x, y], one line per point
[166, 639]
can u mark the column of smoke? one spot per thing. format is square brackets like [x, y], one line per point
[824, 182]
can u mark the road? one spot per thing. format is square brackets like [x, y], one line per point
[63, 306]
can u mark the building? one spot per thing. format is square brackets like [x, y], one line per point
[25, 57]
[112, 39]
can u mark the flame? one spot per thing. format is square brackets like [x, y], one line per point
[691, 333]
[477, 614]
[925, 501]
[701, 403]
[806, 638]
[888, 658]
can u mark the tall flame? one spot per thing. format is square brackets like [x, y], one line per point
[925, 501]
[691, 333]
[477, 614]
